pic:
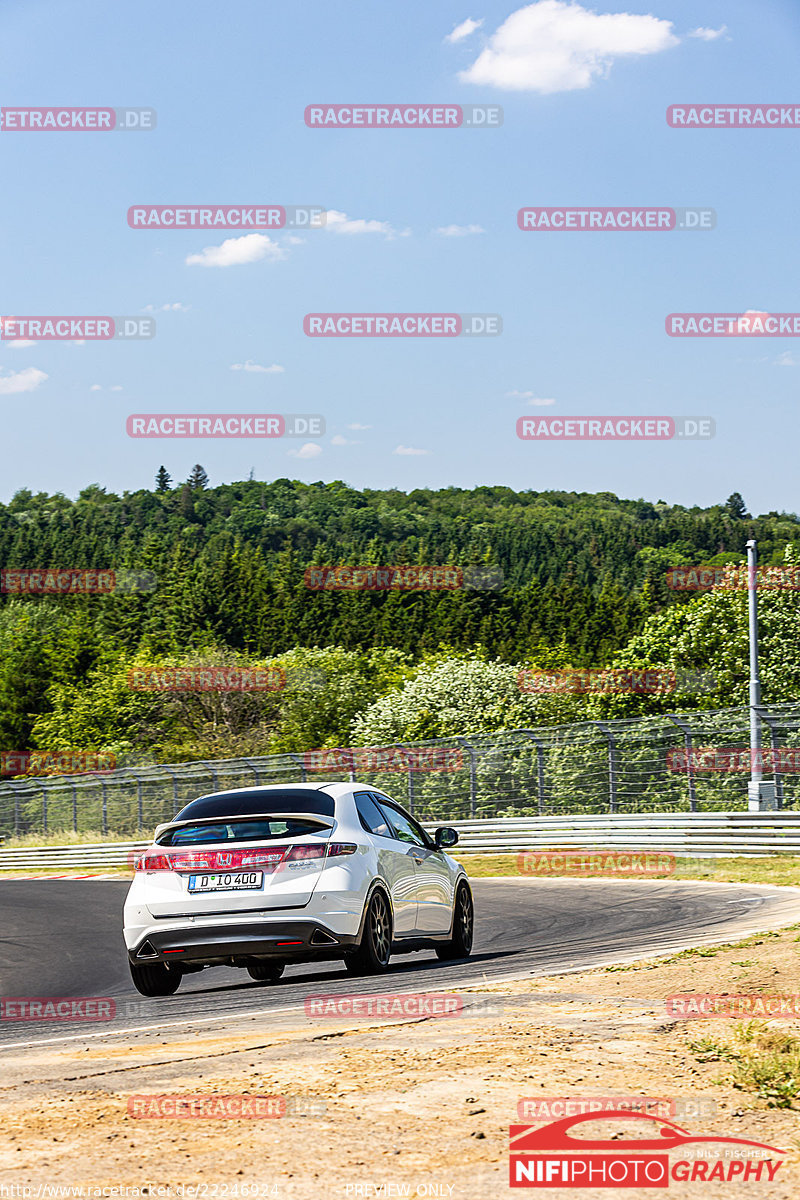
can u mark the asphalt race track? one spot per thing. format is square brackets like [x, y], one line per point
[63, 938]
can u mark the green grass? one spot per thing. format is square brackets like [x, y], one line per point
[764, 1060]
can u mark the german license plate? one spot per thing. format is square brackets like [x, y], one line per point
[236, 881]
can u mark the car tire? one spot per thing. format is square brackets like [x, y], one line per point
[460, 945]
[155, 979]
[375, 948]
[265, 972]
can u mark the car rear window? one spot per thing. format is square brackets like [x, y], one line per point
[263, 830]
[257, 802]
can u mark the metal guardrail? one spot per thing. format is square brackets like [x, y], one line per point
[689, 835]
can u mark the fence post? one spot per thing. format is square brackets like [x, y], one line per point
[170, 771]
[473, 776]
[776, 768]
[612, 765]
[74, 808]
[105, 805]
[44, 808]
[539, 767]
[254, 768]
[410, 772]
[139, 803]
[301, 765]
[686, 729]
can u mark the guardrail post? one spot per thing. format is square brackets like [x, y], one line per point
[686, 730]
[612, 765]
[473, 776]
[539, 767]
[776, 769]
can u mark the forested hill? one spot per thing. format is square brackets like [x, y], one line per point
[579, 570]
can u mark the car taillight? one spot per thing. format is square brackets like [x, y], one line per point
[306, 853]
[212, 860]
[152, 862]
[337, 849]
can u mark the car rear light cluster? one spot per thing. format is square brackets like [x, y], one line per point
[237, 860]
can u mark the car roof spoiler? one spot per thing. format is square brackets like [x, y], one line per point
[327, 822]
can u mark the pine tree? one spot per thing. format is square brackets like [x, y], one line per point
[163, 480]
[198, 478]
[736, 508]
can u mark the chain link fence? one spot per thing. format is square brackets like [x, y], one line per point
[651, 764]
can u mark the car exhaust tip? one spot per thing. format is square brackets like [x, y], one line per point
[147, 950]
[321, 938]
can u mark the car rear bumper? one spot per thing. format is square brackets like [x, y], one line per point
[298, 940]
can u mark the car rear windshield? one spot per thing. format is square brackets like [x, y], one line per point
[257, 802]
[258, 830]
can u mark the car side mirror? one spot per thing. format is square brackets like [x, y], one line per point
[445, 838]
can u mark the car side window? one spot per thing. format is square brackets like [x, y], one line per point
[406, 829]
[371, 817]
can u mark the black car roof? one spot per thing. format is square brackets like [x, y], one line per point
[251, 801]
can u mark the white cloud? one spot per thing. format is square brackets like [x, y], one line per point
[787, 359]
[292, 240]
[21, 344]
[458, 230]
[338, 440]
[176, 307]
[117, 387]
[355, 425]
[307, 450]
[256, 368]
[409, 450]
[339, 222]
[21, 381]
[553, 46]
[234, 252]
[464, 30]
[95, 388]
[529, 397]
[709, 35]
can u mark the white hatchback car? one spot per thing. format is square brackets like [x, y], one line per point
[263, 876]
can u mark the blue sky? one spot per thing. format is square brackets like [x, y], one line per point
[584, 124]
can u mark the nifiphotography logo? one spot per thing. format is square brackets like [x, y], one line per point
[557, 1155]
